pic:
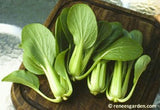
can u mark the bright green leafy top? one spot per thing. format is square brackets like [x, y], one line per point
[82, 24]
[36, 40]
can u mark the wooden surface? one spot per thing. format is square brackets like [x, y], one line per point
[25, 98]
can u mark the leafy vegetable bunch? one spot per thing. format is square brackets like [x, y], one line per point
[81, 47]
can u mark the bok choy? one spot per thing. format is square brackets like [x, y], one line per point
[121, 74]
[82, 25]
[107, 34]
[41, 56]
[117, 94]
[81, 47]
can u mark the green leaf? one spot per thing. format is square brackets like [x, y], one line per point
[140, 66]
[137, 36]
[60, 64]
[31, 65]
[126, 33]
[82, 24]
[28, 79]
[36, 42]
[23, 77]
[104, 30]
[61, 71]
[116, 33]
[124, 49]
[63, 20]
[116, 25]
[60, 36]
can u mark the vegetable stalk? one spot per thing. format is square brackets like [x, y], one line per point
[97, 80]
